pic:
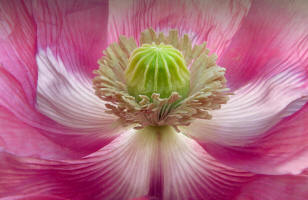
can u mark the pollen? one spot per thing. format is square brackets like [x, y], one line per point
[165, 80]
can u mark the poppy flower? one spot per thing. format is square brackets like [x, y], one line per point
[144, 99]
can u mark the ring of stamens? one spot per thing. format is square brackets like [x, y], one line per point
[207, 86]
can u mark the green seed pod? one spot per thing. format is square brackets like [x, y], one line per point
[157, 69]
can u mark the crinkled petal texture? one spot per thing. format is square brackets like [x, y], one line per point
[157, 162]
[263, 128]
[204, 20]
[42, 44]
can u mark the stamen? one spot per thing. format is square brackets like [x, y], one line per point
[207, 84]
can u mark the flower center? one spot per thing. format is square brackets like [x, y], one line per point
[157, 69]
[141, 82]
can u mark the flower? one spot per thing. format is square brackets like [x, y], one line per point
[61, 138]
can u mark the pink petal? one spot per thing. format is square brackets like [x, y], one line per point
[248, 133]
[190, 173]
[14, 103]
[19, 138]
[141, 198]
[121, 170]
[75, 31]
[33, 197]
[18, 46]
[212, 21]
[285, 187]
[272, 38]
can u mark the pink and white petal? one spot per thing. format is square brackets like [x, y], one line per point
[253, 109]
[13, 98]
[14, 101]
[18, 47]
[281, 150]
[18, 82]
[190, 173]
[69, 101]
[272, 38]
[213, 21]
[262, 128]
[74, 30]
[18, 77]
[276, 187]
[120, 170]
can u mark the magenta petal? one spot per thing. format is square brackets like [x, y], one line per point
[214, 22]
[285, 187]
[74, 30]
[272, 39]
